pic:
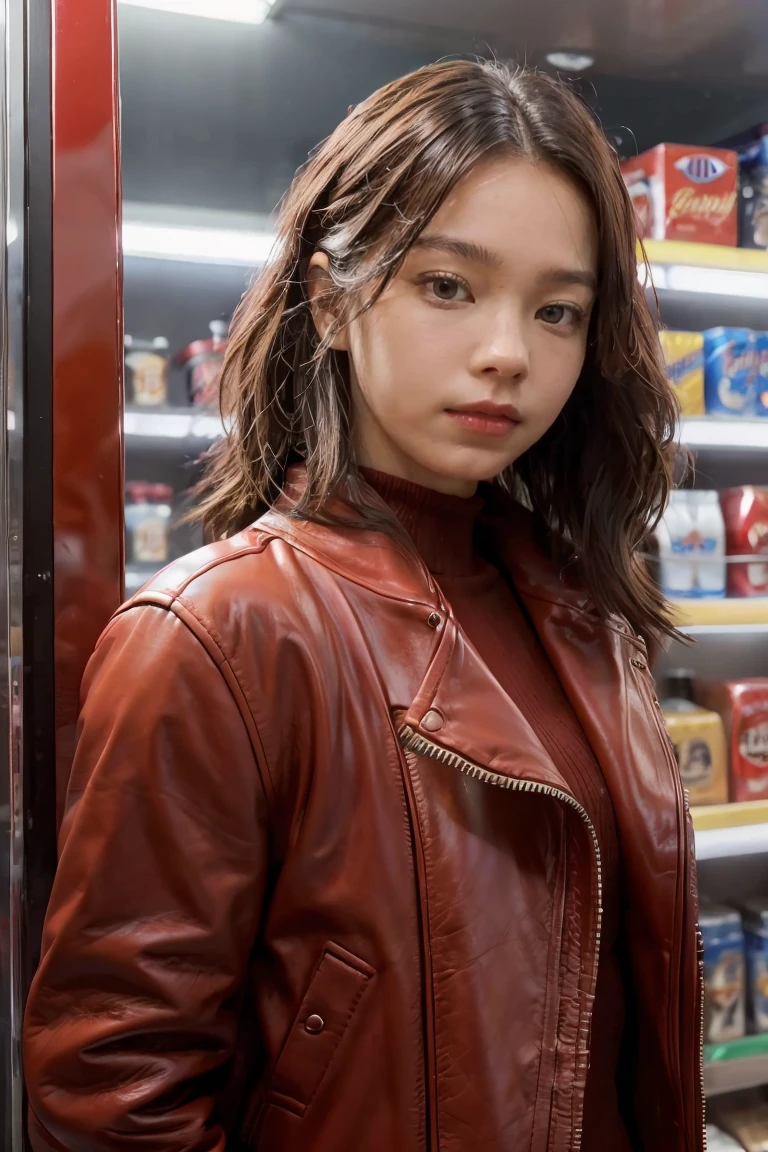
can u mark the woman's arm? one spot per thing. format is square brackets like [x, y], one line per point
[155, 905]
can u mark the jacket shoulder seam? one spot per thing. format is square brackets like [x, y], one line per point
[209, 639]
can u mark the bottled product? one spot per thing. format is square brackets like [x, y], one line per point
[745, 511]
[147, 520]
[755, 920]
[146, 371]
[698, 737]
[691, 539]
[730, 371]
[691, 193]
[684, 355]
[743, 706]
[203, 360]
[724, 975]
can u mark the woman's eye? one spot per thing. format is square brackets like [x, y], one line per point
[448, 290]
[560, 313]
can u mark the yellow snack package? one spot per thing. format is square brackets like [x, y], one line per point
[684, 354]
[699, 740]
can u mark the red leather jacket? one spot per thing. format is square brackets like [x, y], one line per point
[321, 889]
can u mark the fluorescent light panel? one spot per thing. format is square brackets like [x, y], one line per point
[712, 281]
[237, 11]
[198, 245]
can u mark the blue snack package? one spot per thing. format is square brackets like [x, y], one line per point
[730, 371]
[724, 975]
[761, 400]
[756, 949]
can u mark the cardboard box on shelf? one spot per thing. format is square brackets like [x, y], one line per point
[684, 192]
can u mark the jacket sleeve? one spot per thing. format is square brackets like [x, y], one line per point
[155, 905]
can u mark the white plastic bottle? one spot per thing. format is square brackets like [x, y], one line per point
[691, 540]
[708, 524]
[675, 562]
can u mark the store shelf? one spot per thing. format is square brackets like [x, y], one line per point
[738, 1064]
[729, 434]
[697, 616]
[706, 268]
[728, 830]
[174, 424]
[136, 576]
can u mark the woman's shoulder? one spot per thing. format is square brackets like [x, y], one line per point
[247, 580]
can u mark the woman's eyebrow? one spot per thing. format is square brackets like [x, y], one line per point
[569, 276]
[479, 254]
[464, 249]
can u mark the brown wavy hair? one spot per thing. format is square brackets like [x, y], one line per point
[600, 477]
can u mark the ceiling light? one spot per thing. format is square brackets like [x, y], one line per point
[570, 61]
[198, 245]
[239, 11]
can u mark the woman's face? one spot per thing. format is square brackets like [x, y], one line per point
[472, 351]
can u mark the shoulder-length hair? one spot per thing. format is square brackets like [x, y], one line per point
[600, 477]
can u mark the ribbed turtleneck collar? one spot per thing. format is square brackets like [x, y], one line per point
[442, 527]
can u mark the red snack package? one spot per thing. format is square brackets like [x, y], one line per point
[745, 511]
[743, 706]
[692, 193]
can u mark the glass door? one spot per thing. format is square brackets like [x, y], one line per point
[12, 278]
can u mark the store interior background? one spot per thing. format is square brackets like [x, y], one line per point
[216, 118]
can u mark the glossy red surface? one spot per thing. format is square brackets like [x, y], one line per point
[87, 347]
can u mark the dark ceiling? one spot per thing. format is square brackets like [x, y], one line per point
[218, 115]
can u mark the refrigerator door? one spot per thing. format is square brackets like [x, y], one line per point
[12, 309]
[61, 530]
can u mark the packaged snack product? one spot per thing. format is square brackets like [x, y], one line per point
[755, 921]
[691, 542]
[730, 371]
[146, 370]
[745, 511]
[147, 520]
[684, 356]
[698, 738]
[724, 975]
[753, 192]
[692, 192]
[699, 741]
[761, 400]
[743, 706]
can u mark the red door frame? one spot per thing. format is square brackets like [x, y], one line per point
[87, 348]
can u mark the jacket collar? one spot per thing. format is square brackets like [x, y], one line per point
[390, 568]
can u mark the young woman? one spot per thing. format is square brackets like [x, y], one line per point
[375, 840]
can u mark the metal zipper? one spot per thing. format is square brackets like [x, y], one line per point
[699, 940]
[700, 955]
[700, 965]
[412, 741]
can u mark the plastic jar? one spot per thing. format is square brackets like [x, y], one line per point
[147, 522]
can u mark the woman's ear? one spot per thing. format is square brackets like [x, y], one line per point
[320, 292]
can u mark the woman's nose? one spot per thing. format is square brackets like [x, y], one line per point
[503, 351]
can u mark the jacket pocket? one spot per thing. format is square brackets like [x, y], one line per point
[334, 993]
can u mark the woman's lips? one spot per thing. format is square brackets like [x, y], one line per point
[483, 423]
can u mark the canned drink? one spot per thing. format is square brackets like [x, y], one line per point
[730, 371]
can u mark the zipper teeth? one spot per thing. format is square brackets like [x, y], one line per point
[412, 741]
[700, 962]
[701, 1040]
